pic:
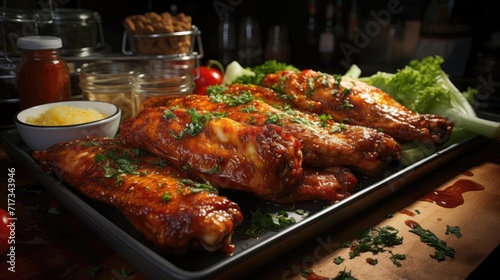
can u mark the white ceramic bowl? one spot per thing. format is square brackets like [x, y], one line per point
[41, 137]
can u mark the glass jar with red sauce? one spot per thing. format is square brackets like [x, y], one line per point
[42, 76]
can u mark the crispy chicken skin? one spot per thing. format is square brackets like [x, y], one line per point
[264, 160]
[172, 211]
[357, 103]
[324, 143]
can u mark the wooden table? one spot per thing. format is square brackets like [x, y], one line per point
[52, 244]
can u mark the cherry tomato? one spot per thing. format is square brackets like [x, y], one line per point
[209, 75]
[4, 231]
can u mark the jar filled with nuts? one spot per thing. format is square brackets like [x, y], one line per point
[156, 34]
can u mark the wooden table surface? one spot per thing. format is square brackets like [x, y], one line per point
[51, 243]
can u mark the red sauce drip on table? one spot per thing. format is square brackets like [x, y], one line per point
[467, 173]
[451, 197]
[313, 276]
[407, 212]
[412, 224]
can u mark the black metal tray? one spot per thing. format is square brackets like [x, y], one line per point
[250, 253]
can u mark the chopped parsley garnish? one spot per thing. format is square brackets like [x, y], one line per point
[374, 240]
[311, 84]
[428, 237]
[263, 221]
[168, 114]
[125, 273]
[216, 89]
[219, 115]
[301, 212]
[346, 91]
[160, 163]
[346, 104]
[99, 158]
[395, 258]
[338, 128]
[337, 79]
[249, 109]
[118, 162]
[289, 111]
[453, 230]
[231, 99]
[90, 144]
[166, 197]
[325, 82]
[198, 122]
[272, 118]
[324, 119]
[252, 120]
[301, 121]
[338, 260]
[215, 169]
[198, 187]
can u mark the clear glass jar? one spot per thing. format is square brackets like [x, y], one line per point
[42, 75]
[79, 29]
[110, 81]
[154, 88]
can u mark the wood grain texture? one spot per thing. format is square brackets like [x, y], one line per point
[477, 218]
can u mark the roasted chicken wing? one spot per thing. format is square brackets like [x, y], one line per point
[358, 103]
[174, 212]
[263, 160]
[324, 143]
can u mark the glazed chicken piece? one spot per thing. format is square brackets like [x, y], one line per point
[265, 161]
[174, 212]
[357, 103]
[324, 143]
[329, 184]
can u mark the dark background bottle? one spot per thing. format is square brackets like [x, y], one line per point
[326, 43]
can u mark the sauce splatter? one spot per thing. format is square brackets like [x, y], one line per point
[407, 212]
[467, 173]
[412, 224]
[313, 276]
[451, 197]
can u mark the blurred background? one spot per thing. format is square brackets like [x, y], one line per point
[325, 35]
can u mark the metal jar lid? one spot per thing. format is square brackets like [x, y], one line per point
[39, 42]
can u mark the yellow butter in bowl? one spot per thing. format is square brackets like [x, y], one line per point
[65, 115]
